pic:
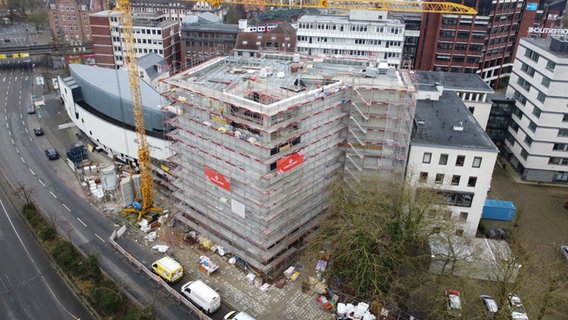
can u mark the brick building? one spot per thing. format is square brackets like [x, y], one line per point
[69, 20]
[152, 34]
[484, 43]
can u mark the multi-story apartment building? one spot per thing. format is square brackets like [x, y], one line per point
[201, 40]
[361, 35]
[537, 143]
[450, 153]
[152, 34]
[259, 142]
[175, 10]
[69, 20]
[484, 43]
[280, 38]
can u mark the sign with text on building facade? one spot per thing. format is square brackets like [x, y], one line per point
[548, 30]
[218, 179]
[290, 162]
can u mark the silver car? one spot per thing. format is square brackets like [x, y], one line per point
[564, 251]
[489, 303]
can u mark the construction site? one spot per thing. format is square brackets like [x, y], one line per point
[257, 143]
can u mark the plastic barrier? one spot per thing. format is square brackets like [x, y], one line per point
[181, 298]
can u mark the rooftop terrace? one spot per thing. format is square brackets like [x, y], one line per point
[269, 82]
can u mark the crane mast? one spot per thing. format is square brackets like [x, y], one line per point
[144, 162]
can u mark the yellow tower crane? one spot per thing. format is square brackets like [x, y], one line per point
[124, 9]
[146, 192]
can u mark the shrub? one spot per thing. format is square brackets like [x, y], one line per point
[66, 256]
[107, 297]
[46, 232]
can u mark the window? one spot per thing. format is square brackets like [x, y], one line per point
[455, 180]
[471, 181]
[443, 159]
[463, 216]
[524, 154]
[565, 117]
[563, 132]
[545, 81]
[527, 69]
[476, 162]
[459, 232]
[541, 97]
[427, 157]
[423, 177]
[536, 111]
[439, 178]
[560, 146]
[528, 140]
[460, 160]
[447, 215]
[531, 55]
[550, 65]
[532, 126]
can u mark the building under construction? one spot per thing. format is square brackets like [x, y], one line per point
[258, 142]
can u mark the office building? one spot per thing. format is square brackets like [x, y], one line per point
[537, 143]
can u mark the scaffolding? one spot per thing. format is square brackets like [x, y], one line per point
[256, 145]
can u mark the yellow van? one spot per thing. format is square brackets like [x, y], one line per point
[168, 269]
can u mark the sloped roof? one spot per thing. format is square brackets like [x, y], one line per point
[149, 63]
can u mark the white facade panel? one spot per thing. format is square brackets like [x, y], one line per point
[465, 214]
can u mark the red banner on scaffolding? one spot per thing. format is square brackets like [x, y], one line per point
[218, 179]
[290, 162]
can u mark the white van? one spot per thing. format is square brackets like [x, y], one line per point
[202, 295]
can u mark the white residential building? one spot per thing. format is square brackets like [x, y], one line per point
[152, 33]
[537, 141]
[362, 34]
[451, 153]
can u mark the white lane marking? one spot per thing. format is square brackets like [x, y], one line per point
[33, 173]
[66, 207]
[96, 235]
[33, 261]
[12, 141]
[24, 161]
[82, 222]
[41, 182]
[53, 194]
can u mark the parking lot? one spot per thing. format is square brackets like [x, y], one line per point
[542, 227]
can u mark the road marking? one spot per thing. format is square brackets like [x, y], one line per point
[66, 207]
[10, 133]
[12, 141]
[96, 235]
[33, 173]
[30, 137]
[53, 194]
[82, 222]
[24, 161]
[41, 182]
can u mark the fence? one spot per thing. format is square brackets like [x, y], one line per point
[179, 297]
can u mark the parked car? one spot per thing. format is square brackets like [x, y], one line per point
[516, 307]
[238, 315]
[454, 303]
[498, 233]
[564, 251]
[51, 154]
[38, 131]
[489, 303]
[30, 109]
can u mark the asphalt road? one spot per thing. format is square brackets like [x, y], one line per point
[23, 163]
[30, 287]
[17, 35]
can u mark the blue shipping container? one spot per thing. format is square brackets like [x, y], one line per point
[498, 210]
